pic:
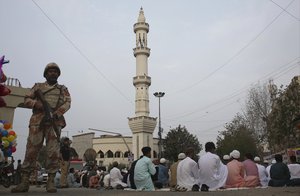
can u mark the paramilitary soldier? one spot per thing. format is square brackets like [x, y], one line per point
[59, 100]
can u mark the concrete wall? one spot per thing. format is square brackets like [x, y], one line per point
[82, 142]
[13, 100]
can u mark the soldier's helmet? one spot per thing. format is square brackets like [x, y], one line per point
[51, 66]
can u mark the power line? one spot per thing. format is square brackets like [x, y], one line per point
[281, 67]
[277, 75]
[216, 110]
[280, 71]
[212, 128]
[240, 91]
[286, 71]
[286, 10]
[235, 55]
[82, 54]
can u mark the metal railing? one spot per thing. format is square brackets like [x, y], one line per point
[13, 82]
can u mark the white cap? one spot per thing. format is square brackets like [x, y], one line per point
[235, 154]
[181, 156]
[98, 172]
[273, 161]
[162, 160]
[226, 157]
[124, 170]
[256, 159]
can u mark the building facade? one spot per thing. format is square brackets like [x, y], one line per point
[109, 148]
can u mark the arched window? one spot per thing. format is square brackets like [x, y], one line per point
[109, 154]
[101, 154]
[154, 154]
[118, 154]
[126, 154]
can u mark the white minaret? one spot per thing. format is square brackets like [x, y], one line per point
[142, 126]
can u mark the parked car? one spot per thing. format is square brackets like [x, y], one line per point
[43, 176]
[77, 164]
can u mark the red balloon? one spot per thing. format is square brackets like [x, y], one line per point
[11, 132]
[13, 149]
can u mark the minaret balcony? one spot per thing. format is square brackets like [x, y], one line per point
[142, 124]
[141, 26]
[141, 50]
[142, 80]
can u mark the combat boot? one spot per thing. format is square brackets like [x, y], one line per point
[50, 184]
[24, 185]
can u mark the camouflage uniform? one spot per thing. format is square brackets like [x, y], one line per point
[59, 100]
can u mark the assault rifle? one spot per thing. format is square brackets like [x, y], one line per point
[48, 118]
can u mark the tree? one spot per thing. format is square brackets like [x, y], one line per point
[258, 107]
[177, 141]
[237, 136]
[282, 132]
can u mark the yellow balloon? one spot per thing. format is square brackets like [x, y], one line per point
[5, 143]
[11, 138]
[4, 138]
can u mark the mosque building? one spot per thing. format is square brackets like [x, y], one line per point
[125, 149]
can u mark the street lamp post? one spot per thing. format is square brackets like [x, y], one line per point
[159, 95]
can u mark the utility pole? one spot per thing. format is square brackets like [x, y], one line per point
[160, 130]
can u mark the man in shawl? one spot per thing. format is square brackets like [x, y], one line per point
[251, 171]
[163, 172]
[212, 172]
[187, 172]
[143, 170]
[236, 173]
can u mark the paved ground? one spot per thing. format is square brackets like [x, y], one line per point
[284, 191]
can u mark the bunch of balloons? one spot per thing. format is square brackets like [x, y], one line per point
[3, 88]
[8, 137]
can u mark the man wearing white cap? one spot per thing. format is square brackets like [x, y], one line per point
[173, 170]
[262, 172]
[116, 177]
[236, 173]
[187, 172]
[212, 172]
[163, 172]
[226, 159]
[268, 168]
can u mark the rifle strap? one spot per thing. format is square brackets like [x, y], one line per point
[51, 89]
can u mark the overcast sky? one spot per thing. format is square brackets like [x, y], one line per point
[205, 55]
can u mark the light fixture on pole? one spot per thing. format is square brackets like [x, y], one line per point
[159, 95]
